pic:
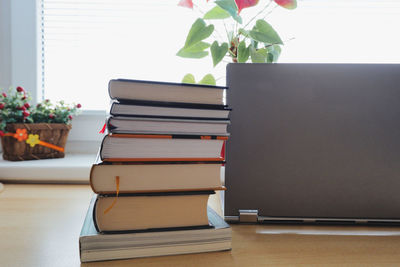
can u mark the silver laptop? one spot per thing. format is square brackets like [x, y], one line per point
[313, 143]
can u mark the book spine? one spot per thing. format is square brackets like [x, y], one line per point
[110, 127]
[109, 89]
[101, 147]
[94, 215]
[113, 104]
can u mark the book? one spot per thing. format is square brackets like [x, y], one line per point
[151, 110]
[124, 124]
[149, 211]
[139, 90]
[139, 177]
[137, 147]
[95, 246]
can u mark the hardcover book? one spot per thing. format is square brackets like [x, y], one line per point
[160, 110]
[124, 124]
[119, 147]
[164, 176]
[137, 90]
[95, 246]
[144, 211]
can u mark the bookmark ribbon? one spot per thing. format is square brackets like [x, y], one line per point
[103, 129]
[116, 197]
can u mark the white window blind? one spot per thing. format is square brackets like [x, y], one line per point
[87, 43]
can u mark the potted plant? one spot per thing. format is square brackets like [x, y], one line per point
[37, 132]
[253, 40]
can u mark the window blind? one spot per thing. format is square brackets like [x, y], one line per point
[86, 43]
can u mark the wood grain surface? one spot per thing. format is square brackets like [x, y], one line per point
[40, 226]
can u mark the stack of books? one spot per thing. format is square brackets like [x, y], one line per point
[158, 164]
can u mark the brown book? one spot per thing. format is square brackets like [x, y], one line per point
[151, 211]
[155, 177]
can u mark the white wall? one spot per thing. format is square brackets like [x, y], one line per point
[5, 43]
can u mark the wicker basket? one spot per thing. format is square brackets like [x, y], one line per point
[53, 133]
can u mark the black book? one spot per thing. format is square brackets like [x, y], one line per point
[161, 110]
[166, 92]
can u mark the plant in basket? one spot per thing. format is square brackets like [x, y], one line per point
[33, 132]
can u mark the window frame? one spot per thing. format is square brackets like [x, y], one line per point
[26, 71]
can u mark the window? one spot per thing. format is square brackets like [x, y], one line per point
[86, 43]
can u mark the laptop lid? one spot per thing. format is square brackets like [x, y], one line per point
[313, 141]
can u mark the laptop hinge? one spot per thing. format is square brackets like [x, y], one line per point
[249, 216]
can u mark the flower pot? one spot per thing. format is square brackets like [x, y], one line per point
[55, 134]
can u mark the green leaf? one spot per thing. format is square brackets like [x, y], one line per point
[194, 51]
[258, 56]
[188, 78]
[274, 52]
[243, 52]
[217, 13]
[208, 80]
[254, 43]
[244, 32]
[231, 7]
[218, 52]
[263, 32]
[198, 32]
[185, 54]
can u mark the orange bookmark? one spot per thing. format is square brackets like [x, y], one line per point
[116, 197]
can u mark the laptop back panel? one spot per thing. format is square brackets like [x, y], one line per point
[314, 141]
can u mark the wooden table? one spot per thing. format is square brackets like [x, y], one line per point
[40, 225]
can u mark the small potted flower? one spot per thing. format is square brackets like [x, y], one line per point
[38, 132]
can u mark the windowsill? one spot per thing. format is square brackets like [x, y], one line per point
[74, 168]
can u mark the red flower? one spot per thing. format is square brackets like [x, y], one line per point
[24, 97]
[79, 106]
[51, 116]
[27, 105]
[245, 3]
[186, 3]
[2, 105]
[21, 108]
[26, 114]
[289, 4]
[1, 133]
[47, 100]
[20, 89]
[70, 117]
[4, 94]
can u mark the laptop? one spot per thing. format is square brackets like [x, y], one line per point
[313, 143]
